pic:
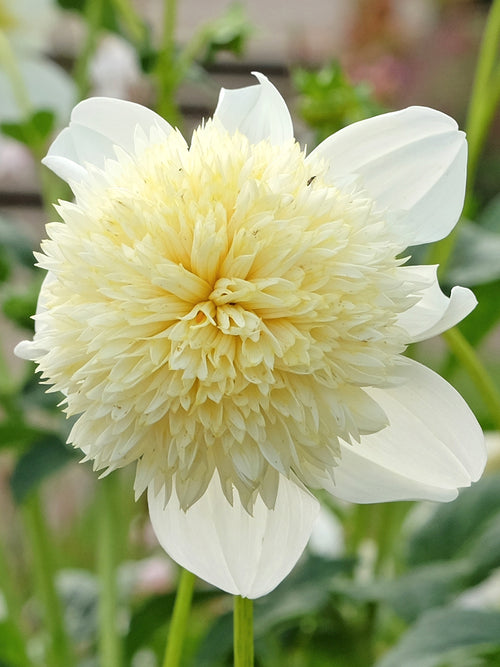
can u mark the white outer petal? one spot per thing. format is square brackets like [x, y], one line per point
[432, 446]
[97, 125]
[435, 312]
[412, 160]
[259, 112]
[241, 554]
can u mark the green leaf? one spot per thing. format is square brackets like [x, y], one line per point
[423, 588]
[79, 592]
[458, 547]
[229, 32]
[13, 433]
[43, 121]
[34, 131]
[19, 307]
[152, 615]
[108, 15]
[218, 643]
[43, 458]
[475, 257]
[12, 650]
[15, 243]
[447, 638]
[328, 101]
[484, 552]
[486, 314]
[463, 522]
[303, 593]
[5, 267]
[490, 216]
[35, 396]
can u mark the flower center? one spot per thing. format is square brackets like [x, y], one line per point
[220, 308]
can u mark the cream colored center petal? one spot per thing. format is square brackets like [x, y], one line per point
[220, 307]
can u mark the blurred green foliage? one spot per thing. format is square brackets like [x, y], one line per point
[328, 101]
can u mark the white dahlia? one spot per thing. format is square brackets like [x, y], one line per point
[231, 315]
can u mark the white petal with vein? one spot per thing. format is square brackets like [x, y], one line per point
[241, 554]
[97, 126]
[435, 312]
[432, 446]
[259, 112]
[412, 160]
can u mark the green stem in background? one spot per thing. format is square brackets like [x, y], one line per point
[483, 104]
[93, 16]
[243, 632]
[58, 650]
[485, 91]
[110, 649]
[191, 51]
[178, 623]
[12, 603]
[469, 359]
[166, 69]
[52, 189]
[132, 22]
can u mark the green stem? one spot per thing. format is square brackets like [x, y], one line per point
[58, 651]
[52, 189]
[390, 517]
[166, 70]
[484, 100]
[178, 623]
[477, 372]
[191, 51]
[131, 20]
[93, 15]
[108, 543]
[243, 632]
[12, 603]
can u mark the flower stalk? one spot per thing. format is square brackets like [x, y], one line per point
[166, 70]
[132, 21]
[58, 649]
[482, 106]
[243, 632]
[109, 639]
[93, 16]
[470, 360]
[485, 93]
[12, 602]
[178, 623]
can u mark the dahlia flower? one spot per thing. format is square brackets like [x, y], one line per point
[231, 315]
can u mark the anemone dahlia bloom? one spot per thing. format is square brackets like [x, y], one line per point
[231, 315]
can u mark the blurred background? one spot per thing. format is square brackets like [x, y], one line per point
[373, 577]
